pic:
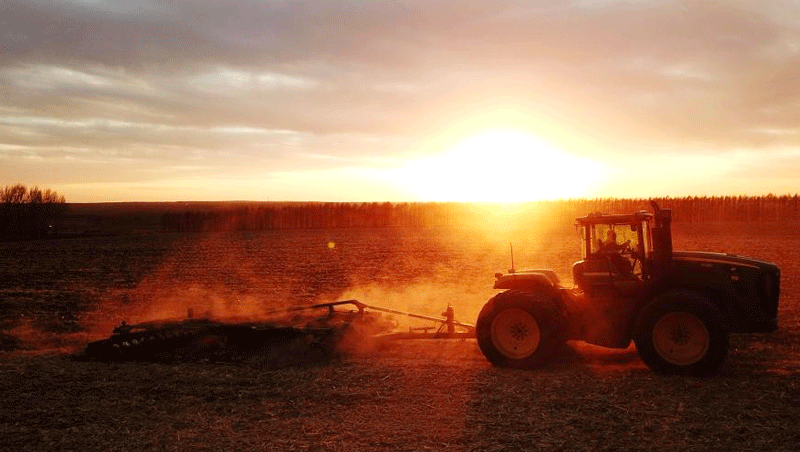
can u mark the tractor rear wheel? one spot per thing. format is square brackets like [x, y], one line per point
[519, 329]
[682, 333]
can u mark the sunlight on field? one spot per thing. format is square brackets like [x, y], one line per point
[499, 166]
[506, 220]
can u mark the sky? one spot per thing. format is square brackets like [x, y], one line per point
[375, 100]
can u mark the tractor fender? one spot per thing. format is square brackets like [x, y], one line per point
[544, 282]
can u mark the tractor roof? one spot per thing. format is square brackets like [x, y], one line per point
[601, 218]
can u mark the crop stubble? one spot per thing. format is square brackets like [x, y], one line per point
[56, 295]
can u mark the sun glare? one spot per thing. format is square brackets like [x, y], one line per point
[501, 166]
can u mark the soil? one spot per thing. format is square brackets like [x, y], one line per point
[57, 295]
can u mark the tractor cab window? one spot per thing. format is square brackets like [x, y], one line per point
[614, 238]
[612, 258]
[616, 244]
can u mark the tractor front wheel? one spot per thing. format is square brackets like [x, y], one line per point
[520, 329]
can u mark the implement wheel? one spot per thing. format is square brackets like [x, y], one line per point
[521, 330]
[682, 333]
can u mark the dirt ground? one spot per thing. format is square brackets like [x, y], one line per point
[427, 395]
[420, 395]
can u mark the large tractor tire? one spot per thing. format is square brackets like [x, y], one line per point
[520, 330]
[682, 333]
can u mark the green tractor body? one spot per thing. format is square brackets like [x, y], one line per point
[678, 307]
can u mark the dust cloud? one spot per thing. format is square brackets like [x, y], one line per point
[420, 298]
[31, 340]
[258, 275]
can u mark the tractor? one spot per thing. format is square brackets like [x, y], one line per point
[677, 307]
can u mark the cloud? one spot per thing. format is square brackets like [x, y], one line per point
[241, 83]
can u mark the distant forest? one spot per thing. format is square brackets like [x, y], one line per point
[266, 216]
[36, 213]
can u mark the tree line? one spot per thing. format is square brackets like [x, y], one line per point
[29, 213]
[702, 209]
[268, 216]
[36, 213]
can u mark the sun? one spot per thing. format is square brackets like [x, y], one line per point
[501, 166]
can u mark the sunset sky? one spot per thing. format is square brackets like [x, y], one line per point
[374, 100]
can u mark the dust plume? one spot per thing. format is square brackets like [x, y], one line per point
[247, 277]
[601, 359]
[29, 340]
[419, 298]
[256, 275]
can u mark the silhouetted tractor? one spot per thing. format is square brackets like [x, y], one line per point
[678, 307]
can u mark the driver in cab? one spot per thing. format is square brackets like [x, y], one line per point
[611, 247]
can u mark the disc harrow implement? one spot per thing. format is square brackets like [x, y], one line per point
[293, 336]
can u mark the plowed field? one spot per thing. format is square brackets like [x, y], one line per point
[57, 295]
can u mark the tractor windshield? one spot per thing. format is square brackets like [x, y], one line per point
[613, 237]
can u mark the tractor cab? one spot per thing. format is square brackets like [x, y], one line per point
[618, 254]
